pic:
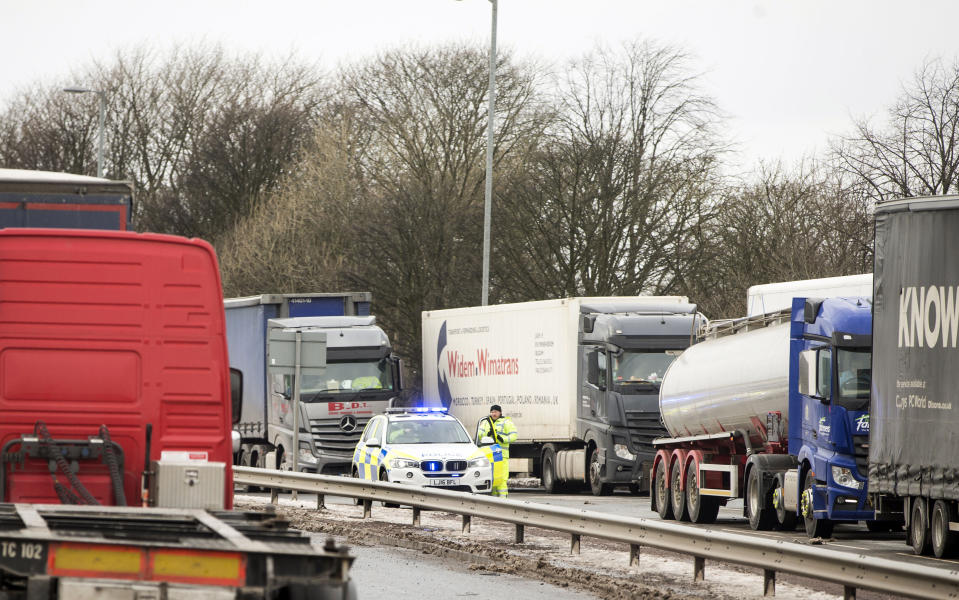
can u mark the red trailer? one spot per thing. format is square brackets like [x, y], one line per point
[114, 329]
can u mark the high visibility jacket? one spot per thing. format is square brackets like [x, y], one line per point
[367, 382]
[504, 432]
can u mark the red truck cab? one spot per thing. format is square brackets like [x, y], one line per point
[108, 328]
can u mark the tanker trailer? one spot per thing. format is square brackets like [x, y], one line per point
[771, 409]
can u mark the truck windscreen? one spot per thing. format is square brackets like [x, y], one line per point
[854, 372]
[349, 377]
[638, 367]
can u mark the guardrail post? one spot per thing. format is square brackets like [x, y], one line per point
[634, 555]
[769, 582]
[416, 516]
[466, 523]
[320, 501]
[699, 568]
[274, 496]
[848, 592]
[574, 543]
[367, 509]
[520, 533]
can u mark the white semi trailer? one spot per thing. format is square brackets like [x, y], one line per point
[771, 297]
[579, 377]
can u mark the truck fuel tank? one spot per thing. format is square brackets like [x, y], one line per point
[729, 383]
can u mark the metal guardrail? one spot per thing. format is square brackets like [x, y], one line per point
[852, 571]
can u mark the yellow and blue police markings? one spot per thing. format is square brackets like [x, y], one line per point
[433, 465]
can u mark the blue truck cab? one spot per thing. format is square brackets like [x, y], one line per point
[830, 381]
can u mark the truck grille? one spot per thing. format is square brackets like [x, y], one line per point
[861, 447]
[644, 427]
[456, 465]
[330, 438]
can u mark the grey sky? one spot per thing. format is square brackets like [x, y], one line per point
[787, 72]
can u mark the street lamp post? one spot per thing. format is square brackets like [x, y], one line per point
[103, 114]
[488, 206]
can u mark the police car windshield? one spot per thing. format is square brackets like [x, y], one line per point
[426, 432]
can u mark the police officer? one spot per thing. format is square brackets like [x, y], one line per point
[503, 432]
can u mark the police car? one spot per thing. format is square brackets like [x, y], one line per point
[424, 447]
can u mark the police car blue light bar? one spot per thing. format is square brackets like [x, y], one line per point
[417, 409]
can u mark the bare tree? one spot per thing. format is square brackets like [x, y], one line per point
[418, 234]
[45, 129]
[299, 240]
[782, 225]
[916, 151]
[606, 202]
[204, 136]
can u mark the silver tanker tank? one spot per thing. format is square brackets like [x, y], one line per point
[728, 383]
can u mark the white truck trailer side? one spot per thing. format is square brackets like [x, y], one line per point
[579, 377]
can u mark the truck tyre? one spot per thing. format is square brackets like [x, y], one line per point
[702, 509]
[677, 495]
[919, 526]
[815, 528]
[551, 484]
[943, 540]
[595, 482]
[758, 506]
[661, 489]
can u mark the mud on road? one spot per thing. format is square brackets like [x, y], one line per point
[602, 569]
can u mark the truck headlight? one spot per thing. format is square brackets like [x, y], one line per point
[479, 462]
[306, 455]
[843, 476]
[404, 463]
[622, 451]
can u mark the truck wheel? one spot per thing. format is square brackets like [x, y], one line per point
[919, 526]
[677, 495]
[785, 519]
[551, 484]
[661, 489]
[702, 509]
[758, 509]
[815, 528]
[595, 483]
[943, 540]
